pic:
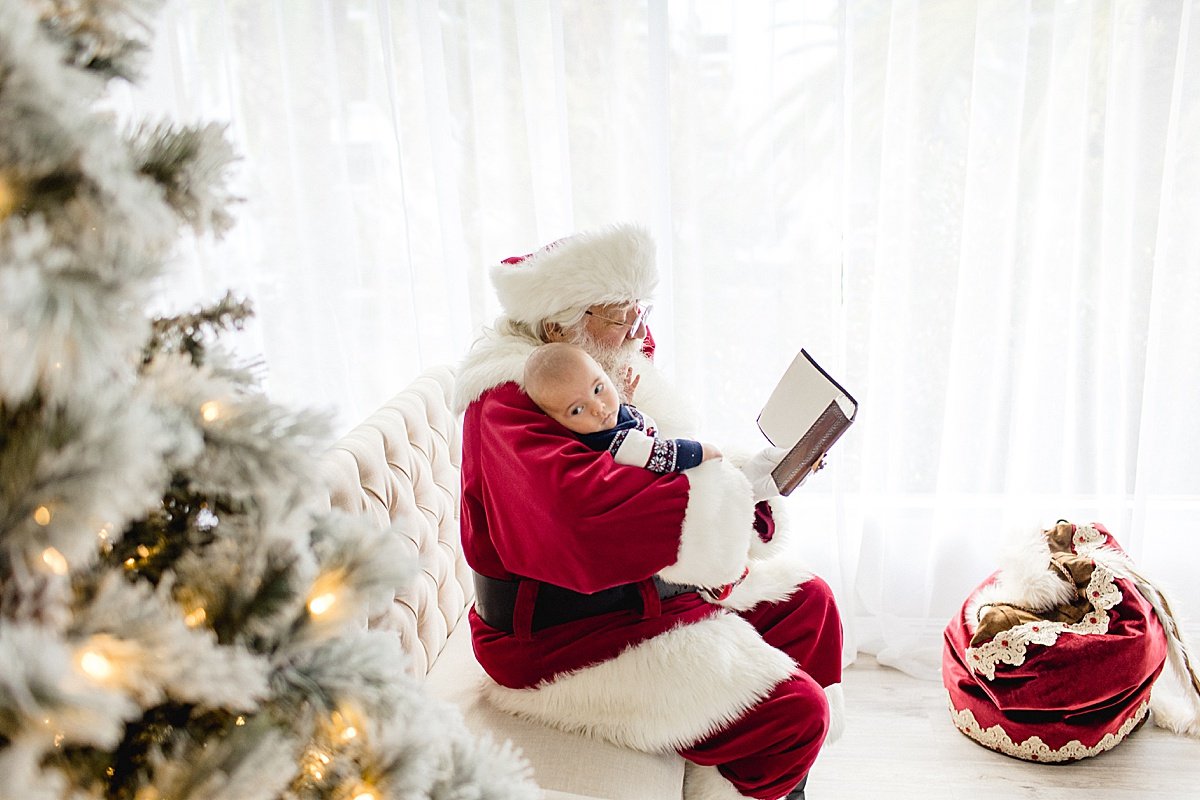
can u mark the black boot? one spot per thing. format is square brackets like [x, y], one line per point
[798, 792]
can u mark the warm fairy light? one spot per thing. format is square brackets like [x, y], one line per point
[210, 411]
[105, 531]
[41, 515]
[96, 665]
[365, 793]
[324, 592]
[8, 198]
[343, 727]
[55, 561]
[315, 763]
[130, 563]
[196, 616]
[58, 739]
[143, 551]
[322, 603]
[240, 721]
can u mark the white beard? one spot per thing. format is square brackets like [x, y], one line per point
[615, 360]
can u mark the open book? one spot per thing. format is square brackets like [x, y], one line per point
[807, 412]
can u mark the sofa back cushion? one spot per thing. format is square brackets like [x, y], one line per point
[400, 469]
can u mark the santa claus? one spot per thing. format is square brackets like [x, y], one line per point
[587, 616]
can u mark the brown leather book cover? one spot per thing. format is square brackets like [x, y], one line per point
[807, 412]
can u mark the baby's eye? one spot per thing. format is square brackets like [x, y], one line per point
[599, 388]
[577, 410]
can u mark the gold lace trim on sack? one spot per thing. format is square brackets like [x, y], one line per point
[1010, 646]
[1033, 748]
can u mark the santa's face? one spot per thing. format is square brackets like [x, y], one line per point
[582, 398]
[614, 325]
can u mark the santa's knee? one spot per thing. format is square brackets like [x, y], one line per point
[815, 594]
[806, 706]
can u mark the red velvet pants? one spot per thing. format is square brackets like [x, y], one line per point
[767, 751]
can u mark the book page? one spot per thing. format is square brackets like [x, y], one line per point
[797, 402]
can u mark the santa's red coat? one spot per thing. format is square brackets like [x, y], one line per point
[539, 505]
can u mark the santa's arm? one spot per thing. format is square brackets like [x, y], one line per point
[636, 449]
[565, 514]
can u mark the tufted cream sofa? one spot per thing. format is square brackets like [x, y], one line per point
[400, 467]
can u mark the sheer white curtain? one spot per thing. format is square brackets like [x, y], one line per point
[983, 216]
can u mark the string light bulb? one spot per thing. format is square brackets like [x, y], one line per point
[343, 727]
[321, 603]
[210, 411]
[42, 515]
[95, 664]
[195, 617]
[8, 197]
[55, 560]
[365, 792]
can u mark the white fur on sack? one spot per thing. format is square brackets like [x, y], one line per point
[1025, 578]
[614, 264]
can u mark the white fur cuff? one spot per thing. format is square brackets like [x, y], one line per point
[717, 528]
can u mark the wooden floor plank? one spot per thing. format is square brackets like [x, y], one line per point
[900, 743]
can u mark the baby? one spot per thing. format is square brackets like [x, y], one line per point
[568, 384]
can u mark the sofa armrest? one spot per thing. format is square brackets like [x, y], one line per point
[399, 468]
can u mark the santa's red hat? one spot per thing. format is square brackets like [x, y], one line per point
[610, 265]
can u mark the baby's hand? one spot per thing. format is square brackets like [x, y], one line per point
[708, 452]
[631, 384]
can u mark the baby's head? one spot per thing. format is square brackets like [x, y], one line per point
[571, 388]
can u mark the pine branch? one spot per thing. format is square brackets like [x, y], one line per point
[107, 37]
[189, 333]
[190, 165]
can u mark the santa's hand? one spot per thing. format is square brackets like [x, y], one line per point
[631, 384]
[758, 470]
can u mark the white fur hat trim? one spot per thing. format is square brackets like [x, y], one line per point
[604, 266]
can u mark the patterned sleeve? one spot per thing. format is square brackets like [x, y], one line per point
[637, 448]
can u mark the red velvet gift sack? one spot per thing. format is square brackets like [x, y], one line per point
[1053, 658]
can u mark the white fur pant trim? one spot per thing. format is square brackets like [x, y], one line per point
[663, 694]
[837, 713]
[706, 783]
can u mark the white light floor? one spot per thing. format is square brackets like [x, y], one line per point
[900, 743]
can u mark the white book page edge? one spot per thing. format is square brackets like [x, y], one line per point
[801, 396]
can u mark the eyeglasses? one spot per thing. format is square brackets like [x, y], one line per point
[639, 318]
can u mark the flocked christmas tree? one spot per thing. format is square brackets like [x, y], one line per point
[176, 621]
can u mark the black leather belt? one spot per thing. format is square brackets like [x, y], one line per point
[496, 601]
